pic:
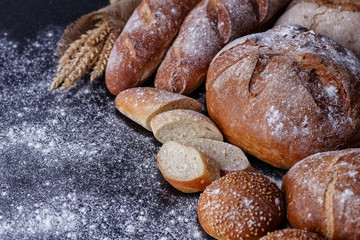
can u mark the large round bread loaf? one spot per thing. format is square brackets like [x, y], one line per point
[285, 94]
[323, 194]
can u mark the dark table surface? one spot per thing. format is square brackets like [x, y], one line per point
[71, 166]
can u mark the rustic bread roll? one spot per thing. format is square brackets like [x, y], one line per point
[176, 124]
[229, 157]
[323, 194]
[288, 93]
[144, 41]
[241, 205]
[143, 103]
[186, 168]
[291, 234]
[339, 20]
[207, 28]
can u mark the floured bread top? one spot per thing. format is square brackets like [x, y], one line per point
[329, 181]
[349, 5]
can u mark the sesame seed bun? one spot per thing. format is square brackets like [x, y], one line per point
[241, 205]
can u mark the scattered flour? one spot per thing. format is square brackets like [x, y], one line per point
[71, 166]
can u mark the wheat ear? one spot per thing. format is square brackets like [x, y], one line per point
[100, 65]
[80, 56]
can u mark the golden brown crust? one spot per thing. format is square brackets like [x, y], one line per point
[207, 28]
[288, 92]
[291, 234]
[241, 205]
[323, 194]
[143, 43]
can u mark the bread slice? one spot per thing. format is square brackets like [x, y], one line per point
[229, 157]
[143, 103]
[176, 124]
[186, 168]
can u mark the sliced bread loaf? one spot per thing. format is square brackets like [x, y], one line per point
[143, 103]
[186, 168]
[177, 124]
[229, 157]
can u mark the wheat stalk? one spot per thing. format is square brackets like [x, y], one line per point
[80, 56]
[101, 63]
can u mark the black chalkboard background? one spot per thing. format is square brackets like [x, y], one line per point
[71, 166]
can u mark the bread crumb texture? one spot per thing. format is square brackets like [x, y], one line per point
[241, 205]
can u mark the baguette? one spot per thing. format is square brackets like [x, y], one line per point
[207, 28]
[176, 124]
[143, 103]
[186, 168]
[229, 157]
[141, 46]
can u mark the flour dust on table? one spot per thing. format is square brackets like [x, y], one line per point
[71, 166]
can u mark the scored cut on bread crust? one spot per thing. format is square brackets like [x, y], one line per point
[291, 234]
[323, 194]
[143, 103]
[241, 205]
[207, 28]
[339, 20]
[285, 94]
[181, 123]
[229, 157]
[186, 168]
[143, 43]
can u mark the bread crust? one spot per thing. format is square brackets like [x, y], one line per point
[339, 20]
[144, 41]
[291, 234]
[323, 194]
[207, 28]
[143, 103]
[288, 92]
[241, 205]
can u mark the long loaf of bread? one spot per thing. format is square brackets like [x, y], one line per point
[207, 28]
[141, 46]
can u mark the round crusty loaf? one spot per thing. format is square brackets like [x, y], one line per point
[229, 157]
[339, 20]
[143, 103]
[186, 168]
[323, 194]
[241, 205]
[288, 93]
[291, 234]
[181, 123]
